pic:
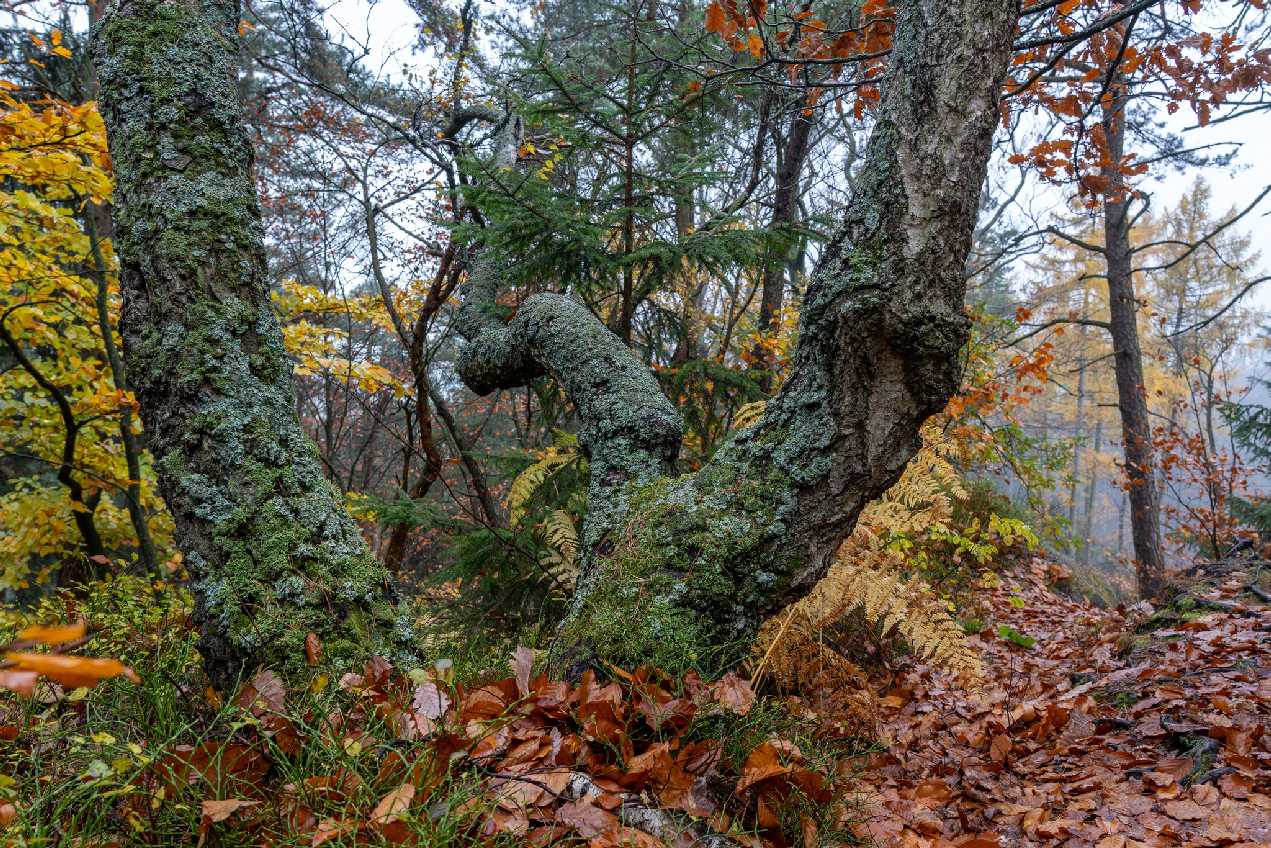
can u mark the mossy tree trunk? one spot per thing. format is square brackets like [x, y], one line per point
[680, 571]
[273, 553]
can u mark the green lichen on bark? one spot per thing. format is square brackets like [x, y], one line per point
[273, 553]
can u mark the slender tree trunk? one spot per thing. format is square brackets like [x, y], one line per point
[273, 553]
[490, 511]
[83, 503]
[692, 288]
[1078, 446]
[785, 210]
[95, 218]
[395, 550]
[1136, 427]
[1092, 485]
[680, 572]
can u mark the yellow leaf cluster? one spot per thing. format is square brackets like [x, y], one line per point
[315, 332]
[54, 163]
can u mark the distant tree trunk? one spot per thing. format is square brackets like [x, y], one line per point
[785, 210]
[1079, 434]
[681, 571]
[1092, 485]
[97, 217]
[1136, 427]
[273, 553]
[413, 340]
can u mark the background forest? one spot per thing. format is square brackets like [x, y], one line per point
[680, 169]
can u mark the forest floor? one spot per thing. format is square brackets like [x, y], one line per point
[1114, 729]
[1091, 727]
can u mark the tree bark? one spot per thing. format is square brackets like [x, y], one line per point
[1136, 427]
[271, 549]
[681, 571]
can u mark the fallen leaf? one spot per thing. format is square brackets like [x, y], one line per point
[392, 805]
[313, 649]
[55, 634]
[590, 821]
[522, 665]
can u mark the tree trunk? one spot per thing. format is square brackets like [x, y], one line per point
[785, 209]
[131, 444]
[1136, 427]
[681, 571]
[1092, 485]
[273, 553]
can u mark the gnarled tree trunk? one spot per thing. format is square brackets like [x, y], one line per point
[679, 571]
[272, 550]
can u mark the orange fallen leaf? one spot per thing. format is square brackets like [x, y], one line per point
[54, 634]
[762, 764]
[313, 649]
[70, 671]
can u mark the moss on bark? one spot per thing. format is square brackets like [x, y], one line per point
[681, 572]
[273, 553]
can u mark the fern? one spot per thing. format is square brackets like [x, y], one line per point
[792, 647]
[552, 459]
[896, 607]
[560, 535]
[748, 414]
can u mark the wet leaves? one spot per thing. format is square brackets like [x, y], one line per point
[1078, 742]
[536, 759]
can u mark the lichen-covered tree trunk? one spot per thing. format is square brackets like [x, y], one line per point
[273, 553]
[680, 571]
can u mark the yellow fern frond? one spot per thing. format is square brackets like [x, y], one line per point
[528, 481]
[560, 534]
[749, 414]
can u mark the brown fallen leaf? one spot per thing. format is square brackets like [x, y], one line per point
[392, 805]
[522, 665]
[1186, 809]
[219, 811]
[1000, 747]
[734, 694]
[590, 821]
[313, 649]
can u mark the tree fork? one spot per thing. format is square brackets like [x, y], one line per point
[681, 571]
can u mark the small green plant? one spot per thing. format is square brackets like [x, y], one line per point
[1010, 634]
